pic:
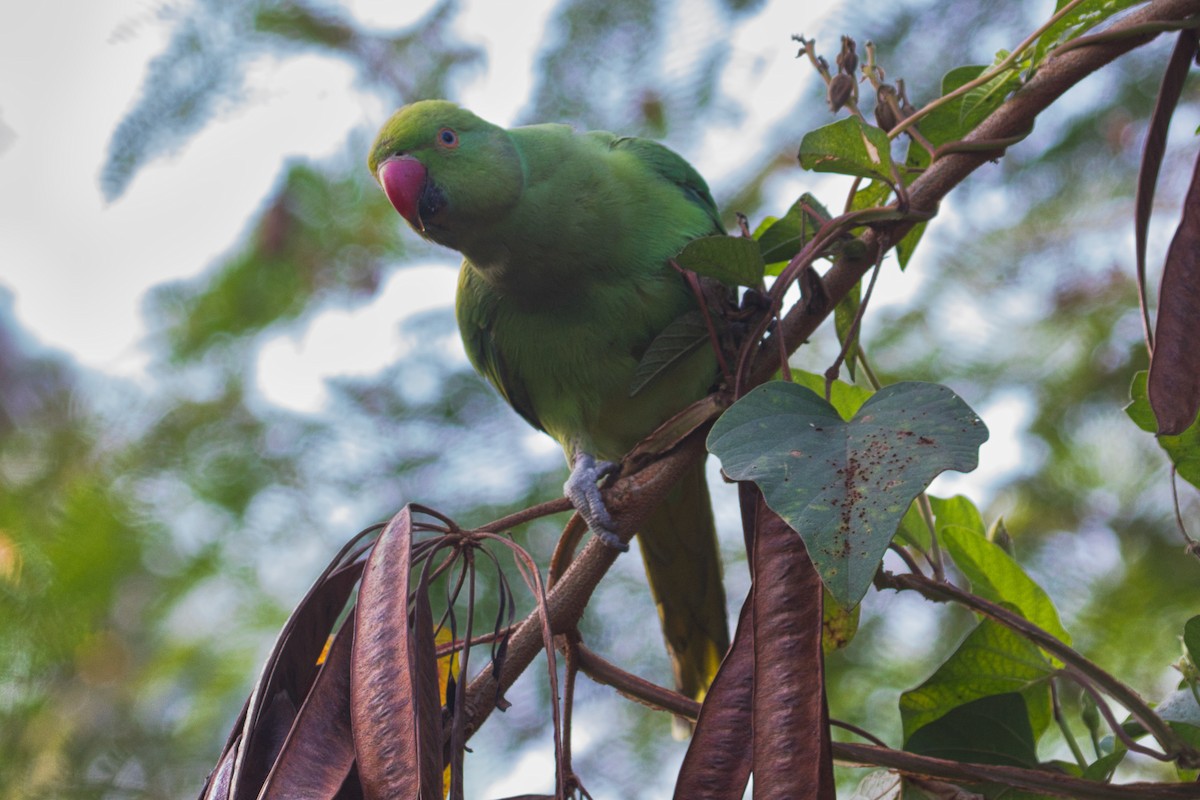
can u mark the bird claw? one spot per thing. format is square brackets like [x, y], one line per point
[582, 490]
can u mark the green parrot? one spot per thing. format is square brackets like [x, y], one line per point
[565, 282]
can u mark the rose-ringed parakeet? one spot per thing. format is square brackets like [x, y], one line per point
[565, 282]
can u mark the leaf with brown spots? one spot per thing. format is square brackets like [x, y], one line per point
[844, 486]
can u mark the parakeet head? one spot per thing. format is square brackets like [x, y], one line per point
[443, 168]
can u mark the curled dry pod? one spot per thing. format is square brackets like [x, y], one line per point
[885, 107]
[841, 89]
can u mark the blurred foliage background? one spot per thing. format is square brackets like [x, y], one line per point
[154, 536]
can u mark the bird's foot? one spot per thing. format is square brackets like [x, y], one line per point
[583, 491]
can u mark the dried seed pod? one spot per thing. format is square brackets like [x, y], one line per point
[847, 59]
[841, 90]
[885, 107]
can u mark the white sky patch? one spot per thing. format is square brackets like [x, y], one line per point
[79, 267]
[511, 42]
[293, 367]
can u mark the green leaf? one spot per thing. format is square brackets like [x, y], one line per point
[904, 250]
[956, 512]
[995, 576]
[677, 341]
[1082, 18]
[784, 237]
[1191, 639]
[848, 147]
[990, 730]
[992, 660]
[977, 103]
[729, 259]
[960, 116]
[843, 318]
[1102, 769]
[845, 485]
[873, 195]
[913, 528]
[838, 623]
[1183, 450]
[846, 397]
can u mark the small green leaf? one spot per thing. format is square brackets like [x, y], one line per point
[848, 147]
[995, 576]
[984, 99]
[846, 397]
[1102, 769]
[784, 237]
[844, 486]
[992, 660]
[990, 730]
[873, 195]
[838, 623]
[843, 318]
[1183, 450]
[1191, 639]
[956, 512]
[913, 528]
[729, 259]
[1075, 23]
[676, 342]
[904, 250]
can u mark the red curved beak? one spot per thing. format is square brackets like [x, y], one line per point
[403, 181]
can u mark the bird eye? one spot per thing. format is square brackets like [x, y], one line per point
[447, 138]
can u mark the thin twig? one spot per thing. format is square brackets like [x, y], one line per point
[935, 550]
[1192, 545]
[831, 373]
[1065, 727]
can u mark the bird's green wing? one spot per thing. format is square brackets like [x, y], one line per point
[672, 167]
[476, 308]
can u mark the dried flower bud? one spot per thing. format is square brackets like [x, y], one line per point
[841, 90]
[847, 59]
[885, 107]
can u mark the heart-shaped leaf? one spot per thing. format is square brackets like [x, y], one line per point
[844, 486]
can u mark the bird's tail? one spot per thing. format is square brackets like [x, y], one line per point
[683, 563]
